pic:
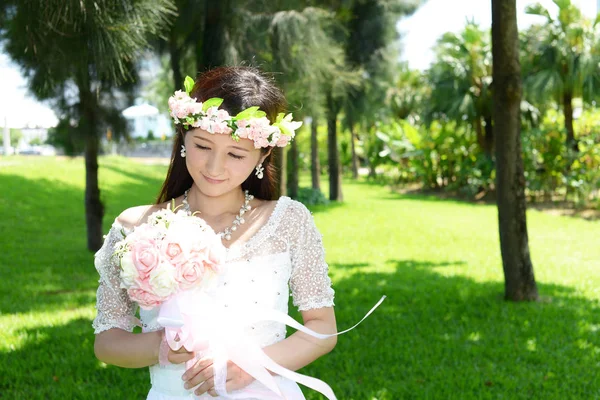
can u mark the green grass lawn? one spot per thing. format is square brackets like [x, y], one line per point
[443, 333]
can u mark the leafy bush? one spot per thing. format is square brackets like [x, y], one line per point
[311, 197]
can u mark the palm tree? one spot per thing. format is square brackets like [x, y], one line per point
[371, 48]
[87, 48]
[294, 35]
[518, 269]
[460, 81]
[564, 54]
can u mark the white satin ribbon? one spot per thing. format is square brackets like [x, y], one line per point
[201, 325]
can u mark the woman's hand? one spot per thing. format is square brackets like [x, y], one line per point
[202, 373]
[166, 355]
[179, 356]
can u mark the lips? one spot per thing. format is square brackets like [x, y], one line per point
[214, 181]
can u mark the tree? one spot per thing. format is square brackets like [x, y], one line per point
[371, 49]
[15, 136]
[293, 35]
[82, 49]
[510, 179]
[565, 56]
[315, 167]
[460, 79]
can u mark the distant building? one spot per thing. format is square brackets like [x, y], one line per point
[34, 134]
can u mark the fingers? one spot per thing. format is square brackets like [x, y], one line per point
[179, 356]
[207, 386]
[200, 372]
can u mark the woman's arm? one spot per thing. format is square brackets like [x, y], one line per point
[300, 349]
[134, 350]
[126, 349]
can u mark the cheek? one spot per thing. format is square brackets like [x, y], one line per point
[241, 168]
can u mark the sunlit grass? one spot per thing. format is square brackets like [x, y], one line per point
[443, 333]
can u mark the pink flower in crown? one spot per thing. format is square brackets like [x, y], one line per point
[243, 129]
[258, 127]
[284, 140]
[222, 127]
[146, 299]
[261, 142]
[204, 123]
[194, 108]
[180, 95]
[274, 137]
[216, 114]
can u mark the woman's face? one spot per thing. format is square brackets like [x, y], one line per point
[217, 163]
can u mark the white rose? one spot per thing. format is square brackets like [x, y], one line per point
[162, 280]
[128, 271]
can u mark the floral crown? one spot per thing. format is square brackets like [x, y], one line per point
[250, 123]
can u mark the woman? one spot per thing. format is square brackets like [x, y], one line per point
[273, 246]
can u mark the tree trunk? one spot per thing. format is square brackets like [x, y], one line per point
[175, 56]
[94, 210]
[315, 168]
[335, 185]
[510, 180]
[485, 137]
[279, 160]
[354, 157]
[215, 39]
[293, 171]
[489, 135]
[568, 113]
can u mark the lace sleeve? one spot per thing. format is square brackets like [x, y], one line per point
[309, 282]
[115, 309]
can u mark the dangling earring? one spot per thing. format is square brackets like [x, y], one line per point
[259, 171]
[182, 151]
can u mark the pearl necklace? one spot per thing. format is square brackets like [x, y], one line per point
[239, 219]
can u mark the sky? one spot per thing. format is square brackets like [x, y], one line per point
[419, 33]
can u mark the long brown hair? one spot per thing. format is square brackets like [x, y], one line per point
[240, 88]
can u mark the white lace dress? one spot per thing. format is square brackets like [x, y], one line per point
[285, 255]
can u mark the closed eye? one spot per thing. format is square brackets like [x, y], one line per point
[230, 154]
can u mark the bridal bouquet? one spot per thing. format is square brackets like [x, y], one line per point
[170, 253]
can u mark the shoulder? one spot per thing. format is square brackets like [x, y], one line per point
[134, 216]
[294, 211]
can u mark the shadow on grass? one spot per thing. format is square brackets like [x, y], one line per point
[450, 337]
[44, 262]
[140, 178]
[58, 362]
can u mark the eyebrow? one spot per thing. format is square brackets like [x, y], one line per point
[210, 141]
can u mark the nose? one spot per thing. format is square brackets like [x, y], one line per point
[215, 165]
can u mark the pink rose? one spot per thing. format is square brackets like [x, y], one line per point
[190, 274]
[145, 299]
[145, 256]
[172, 251]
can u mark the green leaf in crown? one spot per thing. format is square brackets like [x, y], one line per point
[212, 102]
[188, 83]
[250, 112]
